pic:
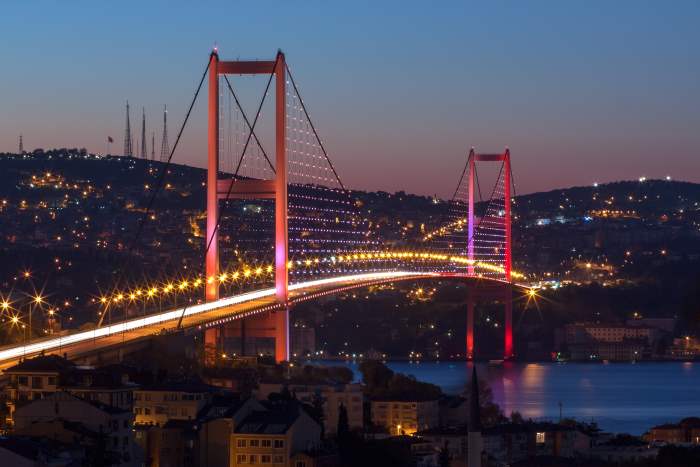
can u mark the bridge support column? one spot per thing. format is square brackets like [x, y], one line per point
[212, 337]
[281, 232]
[470, 324]
[508, 321]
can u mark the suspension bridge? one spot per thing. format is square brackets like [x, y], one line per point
[297, 223]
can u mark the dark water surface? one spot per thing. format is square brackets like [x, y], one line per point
[620, 397]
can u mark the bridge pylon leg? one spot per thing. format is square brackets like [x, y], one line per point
[470, 324]
[508, 320]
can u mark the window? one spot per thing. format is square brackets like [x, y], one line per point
[146, 411]
[253, 459]
[266, 443]
[37, 382]
[277, 459]
[265, 459]
[241, 458]
[540, 438]
[52, 380]
[300, 464]
[254, 443]
[279, 443]
[241, 443]
[23, 380]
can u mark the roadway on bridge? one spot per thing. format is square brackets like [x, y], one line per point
[84, 343]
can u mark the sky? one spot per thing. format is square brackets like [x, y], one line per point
[580, 91]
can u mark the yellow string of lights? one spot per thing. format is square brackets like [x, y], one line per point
[247, 272]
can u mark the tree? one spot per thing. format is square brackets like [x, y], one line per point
[343, 424]
[490, 411]
[375, 374]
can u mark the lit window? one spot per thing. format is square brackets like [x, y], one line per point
[540, 438]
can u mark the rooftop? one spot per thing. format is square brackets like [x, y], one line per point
[42, 363]
[189, 386]
[275, 421]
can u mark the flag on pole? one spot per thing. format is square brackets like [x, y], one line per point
[110, 139]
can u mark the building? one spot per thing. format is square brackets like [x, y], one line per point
[685, 348]
[204, 440]
[514, 442]
[315, 458]
[21, 451]
[332, 397]
[589, 341]
[405, 417]
[623, 449]
[687, 431]
[44, 375]
[454, 411]
[38, 417]
[177, 400]
[273, 436]
[453, 438]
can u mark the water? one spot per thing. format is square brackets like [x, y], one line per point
[620, 397]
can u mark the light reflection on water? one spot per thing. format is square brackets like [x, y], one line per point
[621, 397]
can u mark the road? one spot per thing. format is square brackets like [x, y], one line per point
[82, 343]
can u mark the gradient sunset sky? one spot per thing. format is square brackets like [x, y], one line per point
[581, 91]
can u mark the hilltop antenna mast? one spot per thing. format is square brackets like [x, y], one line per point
[164, 147]
[144, 149]
[128, 147]
[153, 145]
[21, 144]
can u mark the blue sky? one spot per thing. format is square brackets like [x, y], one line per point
[580, 91]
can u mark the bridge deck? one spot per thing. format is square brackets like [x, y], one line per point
[84, 343]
